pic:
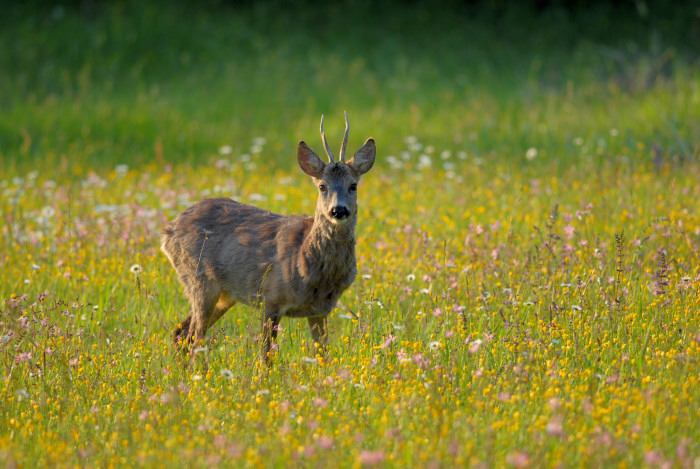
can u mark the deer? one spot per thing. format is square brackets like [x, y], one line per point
[225, 252]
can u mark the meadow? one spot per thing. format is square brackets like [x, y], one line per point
[528, 241]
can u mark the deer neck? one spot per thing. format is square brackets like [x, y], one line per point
[326, 237]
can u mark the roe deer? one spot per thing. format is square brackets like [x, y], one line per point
[226, 252]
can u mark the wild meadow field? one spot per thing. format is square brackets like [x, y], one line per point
[528, 242]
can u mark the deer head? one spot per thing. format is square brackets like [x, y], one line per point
[337, 181]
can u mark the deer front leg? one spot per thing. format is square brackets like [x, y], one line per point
[270, 327]
[203, 302]
[181, 334]
[319, 332]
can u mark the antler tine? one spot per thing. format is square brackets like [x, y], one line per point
[325, 143]
[345, 138]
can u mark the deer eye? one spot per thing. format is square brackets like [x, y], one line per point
[353, 187]
[322, 187]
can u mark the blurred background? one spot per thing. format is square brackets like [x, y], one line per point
[97, 83]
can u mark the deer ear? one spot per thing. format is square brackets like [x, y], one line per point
[364, 157]
[309, 161]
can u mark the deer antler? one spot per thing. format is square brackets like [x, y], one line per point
[325, 143]
[345, 139]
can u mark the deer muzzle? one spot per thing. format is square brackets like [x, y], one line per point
[339, 212]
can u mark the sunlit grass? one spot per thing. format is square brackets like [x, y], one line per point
[500, 317]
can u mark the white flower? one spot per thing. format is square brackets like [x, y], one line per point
[410, 277]
[48, 212]
[424, 161]
[196, 377]
[434, 345]
[531, 154]
[262, 392]
[225, 150]
[136, 269]
[228, 374]
[200, 350]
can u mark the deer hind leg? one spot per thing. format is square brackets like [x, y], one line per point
[319, 331]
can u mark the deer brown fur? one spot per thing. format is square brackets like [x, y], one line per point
[225, 252]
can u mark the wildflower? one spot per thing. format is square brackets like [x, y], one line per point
[424, 161]
[475, 346]
[309, 360]
[196, 377]
[372, 458]
[531, 153]
[320, 402]
[518, 459]
[569, 231]
[389, 340]
[225, 150]
[402, 356]
[434, 345]
[325, 442]
[228, 374]
[410, 277]
[263, 392]
[555, 427]
[654, 458]
[121, 170]
[420, 361]
[136, 269]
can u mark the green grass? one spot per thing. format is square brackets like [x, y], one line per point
[109, 87]
[509, 310]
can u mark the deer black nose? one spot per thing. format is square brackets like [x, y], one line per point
[340, 212]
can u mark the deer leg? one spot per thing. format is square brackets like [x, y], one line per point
[319, 331]
[224, 304]
[270, 329]
[203, 309]
[181, 333]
